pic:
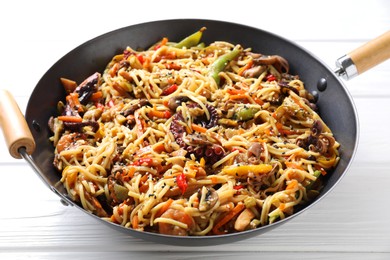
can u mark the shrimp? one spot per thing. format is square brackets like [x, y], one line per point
[69, 141]
[178, 215]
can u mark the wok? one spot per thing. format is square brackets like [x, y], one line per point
[335, 104]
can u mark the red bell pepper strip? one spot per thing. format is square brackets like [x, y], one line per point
[143, 161]
[270, 77]
[169, 90]
[182, 182]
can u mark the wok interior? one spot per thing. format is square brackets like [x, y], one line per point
[336, 107]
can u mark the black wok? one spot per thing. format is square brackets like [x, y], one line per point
[334, 101]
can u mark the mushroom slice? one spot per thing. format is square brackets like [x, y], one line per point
[208, 197]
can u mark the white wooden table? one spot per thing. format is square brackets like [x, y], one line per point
[352, 222]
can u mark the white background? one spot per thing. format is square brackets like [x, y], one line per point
[353, 222]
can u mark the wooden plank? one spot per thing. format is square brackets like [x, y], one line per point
[228, 255]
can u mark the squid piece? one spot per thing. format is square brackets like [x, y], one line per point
[244, 219]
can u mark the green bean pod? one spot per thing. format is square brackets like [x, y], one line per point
[191, 40]
[221, 62]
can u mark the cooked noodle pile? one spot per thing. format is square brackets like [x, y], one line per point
[188, 139]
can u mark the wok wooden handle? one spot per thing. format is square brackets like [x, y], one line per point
[365, 57]
[15, 128]
[372, 53]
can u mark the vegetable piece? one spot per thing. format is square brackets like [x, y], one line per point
[73, 101]
[198, 128]
[293, 165]
[270, 77]
[221, 62]
[238, 187]
[292, 185]
[121, 192]
[246, 113]
[244, 68]
[244, 170]
[70, 118]
[191, 40]
[327, 162]
[69, 85]
[237, 209]
[135, 222]
[159, 114]
[250, 202]
[228, 122]
[182, 182]
[162, 43]
[169, 90]
[95, 97]
[143, 162]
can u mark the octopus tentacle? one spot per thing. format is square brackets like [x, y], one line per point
[198, 144]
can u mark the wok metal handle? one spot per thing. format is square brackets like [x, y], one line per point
[15, 129]
[364, 57]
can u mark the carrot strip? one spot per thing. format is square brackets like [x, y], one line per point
[159, 148]
[238, 96]
[75, 119]
[144, 187]
[162, 43]
[198, 128]
[74, 102]
[164, 208]
[113, 70]
[134, 222]
[292, 185]
[268, 131]
[146, 63]
[280, 128]
[258, 100]
[159, 114]
[293, 165]
[96, 96]
[233, 91]
[247, 66]
[237, 209]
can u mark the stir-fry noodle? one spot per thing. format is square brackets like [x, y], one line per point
[192, 139]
